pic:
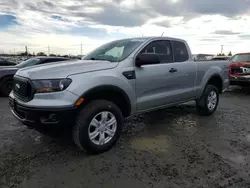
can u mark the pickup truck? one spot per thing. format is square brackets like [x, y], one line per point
[239, 69]
[91, 97]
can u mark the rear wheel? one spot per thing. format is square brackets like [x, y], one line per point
[209, 101]
[98, 126]
[6, 86]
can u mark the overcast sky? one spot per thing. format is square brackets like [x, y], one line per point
[64, 24]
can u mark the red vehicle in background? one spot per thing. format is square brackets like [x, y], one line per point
[239, 69]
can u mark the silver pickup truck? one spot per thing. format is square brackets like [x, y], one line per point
[92, 96]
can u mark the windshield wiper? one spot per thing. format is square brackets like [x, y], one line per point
[95, 59]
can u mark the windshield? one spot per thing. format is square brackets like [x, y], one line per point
[241, 58]
[115, 51]
[29, 62]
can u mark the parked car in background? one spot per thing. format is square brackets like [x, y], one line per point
[7, 72]
[221, 58]
[239, 69]
[91, 97]
[4, 62]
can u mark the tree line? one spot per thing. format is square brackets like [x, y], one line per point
[222, 54]
[25, 54]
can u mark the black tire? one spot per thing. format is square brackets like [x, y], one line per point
[81, 127]
[6, 86]
[202, 103]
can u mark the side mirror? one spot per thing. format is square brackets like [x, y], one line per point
[147, 59]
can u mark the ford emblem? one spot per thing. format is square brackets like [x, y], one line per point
[17, 86]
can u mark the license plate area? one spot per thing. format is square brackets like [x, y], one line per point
[15, 108]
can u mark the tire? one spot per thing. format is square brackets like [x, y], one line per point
[203, 106]
[6, 86]
[84, 126]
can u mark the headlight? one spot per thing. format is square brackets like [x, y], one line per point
[53, 85]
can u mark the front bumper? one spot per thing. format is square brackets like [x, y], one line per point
[43, 117]
[240, 80]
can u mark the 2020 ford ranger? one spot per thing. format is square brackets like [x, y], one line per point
[119, 79]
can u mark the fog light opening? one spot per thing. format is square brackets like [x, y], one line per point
[51, 118]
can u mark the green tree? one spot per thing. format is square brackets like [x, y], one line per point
[23, 54]
[221, 54]
[230, 53]
[52, 55]
[41, 54]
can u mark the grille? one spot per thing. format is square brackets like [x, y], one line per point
[236, 70]
[22, 88]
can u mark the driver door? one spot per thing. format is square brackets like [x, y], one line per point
[154, 81]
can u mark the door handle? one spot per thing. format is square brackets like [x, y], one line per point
[172, 70]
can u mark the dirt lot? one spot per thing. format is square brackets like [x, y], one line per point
[168, 148]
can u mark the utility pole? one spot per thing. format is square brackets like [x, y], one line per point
[48, 50]
[221, 49]
[14, 51]
[162, 34]
[81, 48]
[26, 51]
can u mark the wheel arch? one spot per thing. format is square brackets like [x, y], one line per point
[111, 93]
[4, 78]
[215, 80]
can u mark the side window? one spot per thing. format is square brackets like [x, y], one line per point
[180, 51]
[162, 49]
[50, 61]
[44, 61]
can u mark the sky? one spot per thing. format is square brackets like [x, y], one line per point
[61, 26]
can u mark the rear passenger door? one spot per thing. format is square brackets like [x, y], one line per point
[184, 75]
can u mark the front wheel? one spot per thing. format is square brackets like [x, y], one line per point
[98, 126]
[209, 101]
[6, 86]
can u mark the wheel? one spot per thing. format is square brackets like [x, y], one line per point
[98, 126]
[209, 101]
[6, 86]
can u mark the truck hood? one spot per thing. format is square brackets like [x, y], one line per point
[64, 69]
[240, 64]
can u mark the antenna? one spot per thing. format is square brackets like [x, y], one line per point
[162, 34]
[81, 48]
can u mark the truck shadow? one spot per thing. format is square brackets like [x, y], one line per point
[148, 125]
[160, 121]
[239, 90]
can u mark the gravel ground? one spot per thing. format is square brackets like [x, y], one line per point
[168, 148]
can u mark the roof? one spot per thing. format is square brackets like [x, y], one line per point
[154, 37]
[221, 56]
[244, 53]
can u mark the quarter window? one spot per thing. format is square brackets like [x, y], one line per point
[180, 51]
